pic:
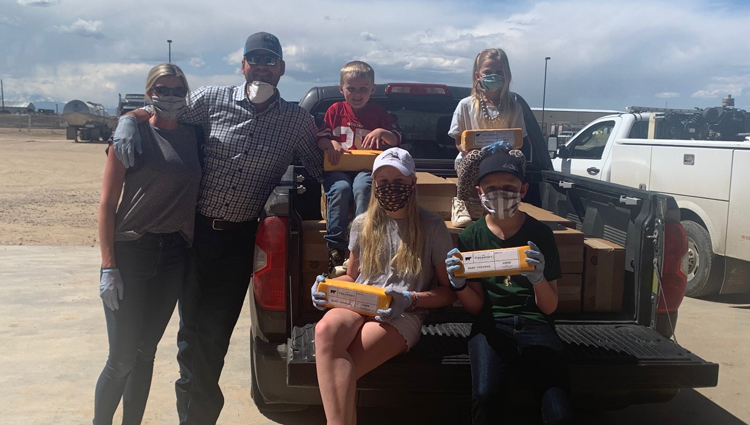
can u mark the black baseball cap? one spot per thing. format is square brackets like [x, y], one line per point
[263, 41]
[501, 161]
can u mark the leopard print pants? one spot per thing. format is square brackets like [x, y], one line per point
[468, 170]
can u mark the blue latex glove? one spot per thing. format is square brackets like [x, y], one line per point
[318, 298]
[127, 139]
[536, 259]
[401, 300]
[452, 264]
[111, 288]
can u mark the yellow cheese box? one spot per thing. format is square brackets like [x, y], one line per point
[493, 262]
[477, 139]
[354, 160]
[363, 299]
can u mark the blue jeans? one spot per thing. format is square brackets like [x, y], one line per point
[217, 275]
[516, 342]
[341, 187]
[152, 269]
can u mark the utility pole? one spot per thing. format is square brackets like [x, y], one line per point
[170, 50]
[544, 94]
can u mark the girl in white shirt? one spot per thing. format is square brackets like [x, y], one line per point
[489, 106]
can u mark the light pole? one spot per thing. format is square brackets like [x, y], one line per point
[544, 93]
[170, 52]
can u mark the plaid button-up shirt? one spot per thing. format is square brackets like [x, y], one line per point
[246, 151]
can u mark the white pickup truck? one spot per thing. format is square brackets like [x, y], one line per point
[702, 159]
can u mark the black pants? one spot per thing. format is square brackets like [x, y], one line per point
[217, 276]
[515, 342]
[152, 269]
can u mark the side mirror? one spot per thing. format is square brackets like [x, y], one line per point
[562, 152]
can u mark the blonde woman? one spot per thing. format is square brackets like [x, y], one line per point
[396, 245]
[489, 106]
[143, 241]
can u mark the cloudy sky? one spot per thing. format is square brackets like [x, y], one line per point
[604, 54]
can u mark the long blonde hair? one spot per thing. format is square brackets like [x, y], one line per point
[506, 107]
[408, 258]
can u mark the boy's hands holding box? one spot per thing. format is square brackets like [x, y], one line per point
[333, 150]
[526, 260]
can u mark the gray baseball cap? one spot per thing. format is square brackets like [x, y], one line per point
[263, 41]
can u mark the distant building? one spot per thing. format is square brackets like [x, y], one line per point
[19, 107]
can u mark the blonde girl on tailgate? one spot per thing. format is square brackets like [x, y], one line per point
[490, 106]
[397, 245]
[146, 221]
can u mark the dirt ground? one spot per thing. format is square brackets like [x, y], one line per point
[53, 336]
[49, 188]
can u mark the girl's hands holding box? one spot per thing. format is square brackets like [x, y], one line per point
[401, 301]
[318, 298]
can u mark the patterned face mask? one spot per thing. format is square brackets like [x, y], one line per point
[501, 204]
[392, 197]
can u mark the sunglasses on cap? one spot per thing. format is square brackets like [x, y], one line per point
[174, 91]
[261, 59]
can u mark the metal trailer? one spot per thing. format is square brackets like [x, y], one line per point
[86, 121]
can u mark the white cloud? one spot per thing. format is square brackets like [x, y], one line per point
[197, 62]
[234, 58]
[39, 3]
[84, 28]
[597, 62]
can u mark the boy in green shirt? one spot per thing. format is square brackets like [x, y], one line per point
[511, 326]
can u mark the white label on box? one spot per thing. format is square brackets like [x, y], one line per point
[486, 138]
[353, 300]
[491, 261]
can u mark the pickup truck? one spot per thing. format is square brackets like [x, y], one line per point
[615, 359]
[662, 150]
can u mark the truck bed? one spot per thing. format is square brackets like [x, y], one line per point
[601, 357]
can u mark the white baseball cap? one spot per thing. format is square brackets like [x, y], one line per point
[398, 158]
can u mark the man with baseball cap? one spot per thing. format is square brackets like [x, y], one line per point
[252, 135]
[512, 327]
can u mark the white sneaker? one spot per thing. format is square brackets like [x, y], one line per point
[459, 214]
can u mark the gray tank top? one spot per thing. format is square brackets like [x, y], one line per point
[160, 192]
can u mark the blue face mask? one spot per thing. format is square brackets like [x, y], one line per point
[493, 82]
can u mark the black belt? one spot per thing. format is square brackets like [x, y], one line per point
[219, 224]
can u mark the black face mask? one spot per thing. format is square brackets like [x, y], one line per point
[392, 197]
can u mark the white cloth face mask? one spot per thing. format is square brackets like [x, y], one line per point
[259, 92]
[501, 204]
[169, 107]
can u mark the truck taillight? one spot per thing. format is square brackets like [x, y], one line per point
[674, 268]
[419, 89]
[270, 275]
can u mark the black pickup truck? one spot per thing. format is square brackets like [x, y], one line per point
[616, 359]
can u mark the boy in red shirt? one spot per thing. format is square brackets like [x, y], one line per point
[348, 125]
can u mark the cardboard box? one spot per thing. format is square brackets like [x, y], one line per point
[570, 246]
[354, 160]
[477, 139]
[604, 276]
[314, 251]
[569, 293]
[435, 194]
[545, 216]
[494, 262]
[363, 299]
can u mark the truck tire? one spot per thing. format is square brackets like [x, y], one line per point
[705, 274]
[258, 397]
